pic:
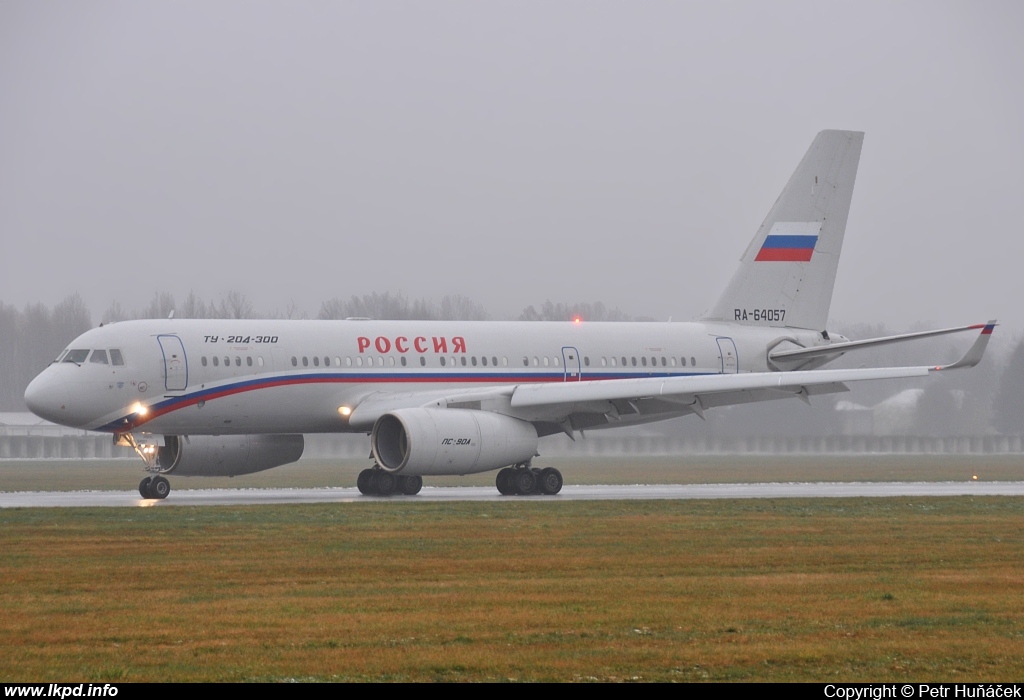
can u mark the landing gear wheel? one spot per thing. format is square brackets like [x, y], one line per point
[536, 482]
[524, 481]
[550, 481]
[144, 487]
[363, 482]
[504, 482]
[159, 487]
[410, 485]
[383, 483]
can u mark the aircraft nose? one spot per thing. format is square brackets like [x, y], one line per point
[47, 397]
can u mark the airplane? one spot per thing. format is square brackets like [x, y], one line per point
[216, 397]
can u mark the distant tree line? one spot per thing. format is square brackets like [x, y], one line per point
[32, 338]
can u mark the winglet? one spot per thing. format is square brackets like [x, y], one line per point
[974, 354]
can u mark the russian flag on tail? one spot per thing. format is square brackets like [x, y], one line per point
[790, 241]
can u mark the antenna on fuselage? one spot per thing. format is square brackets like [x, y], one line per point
[171, 315]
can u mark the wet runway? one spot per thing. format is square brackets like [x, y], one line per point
[223, 497]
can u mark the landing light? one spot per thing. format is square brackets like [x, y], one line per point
[139, 410]
[345, 411]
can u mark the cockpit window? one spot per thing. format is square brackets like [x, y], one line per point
[99, 357]
[76, 356]
[61, 355]
[116, 358]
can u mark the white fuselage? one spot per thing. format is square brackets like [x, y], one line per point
[213, 377]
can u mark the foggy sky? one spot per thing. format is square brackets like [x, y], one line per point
[509, 152]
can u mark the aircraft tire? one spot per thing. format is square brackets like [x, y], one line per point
[144, 487]
[550, 481]
[159, 487]
[383, 483]
[410, 485]
[537, 486]
[524, 481]
[504, 482]
[363, 482]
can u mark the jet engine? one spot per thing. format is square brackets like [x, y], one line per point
[424, 441]
[226, 455]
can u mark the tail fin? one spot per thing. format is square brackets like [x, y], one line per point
[788, 271]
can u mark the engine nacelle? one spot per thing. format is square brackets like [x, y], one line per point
[423, 441]
[227, 455]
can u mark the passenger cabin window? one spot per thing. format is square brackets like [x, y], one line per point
[216, 362]
[99, 357]
[116, 358]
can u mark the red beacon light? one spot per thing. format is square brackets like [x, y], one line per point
[577, 319]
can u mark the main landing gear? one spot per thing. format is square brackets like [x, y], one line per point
[154, 487]
[522, 480]
[377, 482]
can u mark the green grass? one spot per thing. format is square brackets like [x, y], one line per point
[896, 589]
[69, 475]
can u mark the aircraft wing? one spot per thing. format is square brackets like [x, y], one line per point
[789, 359]
[589, 404]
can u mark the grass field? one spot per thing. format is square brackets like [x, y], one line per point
[68, 475]
[779, 590]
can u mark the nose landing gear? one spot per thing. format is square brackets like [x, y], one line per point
[154, 487]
